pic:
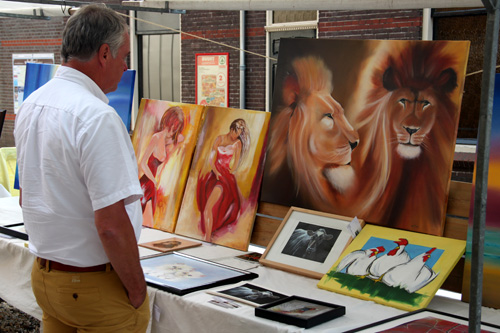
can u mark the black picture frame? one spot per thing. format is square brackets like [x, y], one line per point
[250, 294]
[180, 274]
[322, 313]
[406, 318]
[10, 230]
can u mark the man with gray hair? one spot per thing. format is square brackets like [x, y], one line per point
[79, 186]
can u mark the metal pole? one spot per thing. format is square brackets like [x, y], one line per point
[242, 60]
[483, 156]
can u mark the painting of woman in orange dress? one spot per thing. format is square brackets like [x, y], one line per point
[217, 192]
[164, 140]
[157, 152]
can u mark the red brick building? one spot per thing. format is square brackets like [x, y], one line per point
[261, 36]
[21, 36]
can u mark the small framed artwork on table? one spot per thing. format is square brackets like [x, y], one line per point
[181, 274]
[424, 320]
[170, 244]
[308, 242]
[250, 294]
[300, 311]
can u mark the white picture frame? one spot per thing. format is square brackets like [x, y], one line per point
[282, 254]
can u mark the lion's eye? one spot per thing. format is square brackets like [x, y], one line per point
[425, 104]
[327, 121]
[403, 101]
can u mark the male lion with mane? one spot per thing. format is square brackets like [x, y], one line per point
[407, 131]
[310, 136]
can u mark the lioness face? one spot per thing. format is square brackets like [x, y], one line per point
[413, 116]
[332, 136]
[331, 139]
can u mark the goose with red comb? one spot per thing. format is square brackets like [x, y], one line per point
[394, 257]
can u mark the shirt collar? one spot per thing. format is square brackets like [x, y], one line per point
[73, 75]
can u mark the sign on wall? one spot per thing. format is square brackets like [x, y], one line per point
[212, 79]
[19, 61]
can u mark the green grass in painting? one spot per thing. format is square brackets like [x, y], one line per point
[376, 289]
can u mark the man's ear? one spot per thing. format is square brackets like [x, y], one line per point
[104, 53]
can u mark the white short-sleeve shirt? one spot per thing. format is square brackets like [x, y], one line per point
[74, 157]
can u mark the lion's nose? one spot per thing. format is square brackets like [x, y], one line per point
[411, 130]
[353, 144]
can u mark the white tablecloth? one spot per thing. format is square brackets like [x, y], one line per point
[193, 312]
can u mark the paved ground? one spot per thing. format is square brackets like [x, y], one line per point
[13, 320]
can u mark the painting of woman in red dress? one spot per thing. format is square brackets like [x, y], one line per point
[221, 194]
[157, 152]
[217, 193]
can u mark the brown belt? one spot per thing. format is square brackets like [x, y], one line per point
[68, 268]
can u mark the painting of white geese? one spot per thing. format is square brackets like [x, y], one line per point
[357, 262]
[411, 276]
[394, 257]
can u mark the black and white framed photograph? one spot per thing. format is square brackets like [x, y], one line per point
[250, 294]
[424, 320]
[309, 242]
[300, 311]
[181, 274]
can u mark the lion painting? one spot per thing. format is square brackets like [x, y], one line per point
[311, 139]
[407, 131]
[398, 101]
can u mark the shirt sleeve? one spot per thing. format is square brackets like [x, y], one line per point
[108, 162]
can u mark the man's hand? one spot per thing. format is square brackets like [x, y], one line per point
[118, 238]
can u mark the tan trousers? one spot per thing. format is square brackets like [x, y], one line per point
[86, 302]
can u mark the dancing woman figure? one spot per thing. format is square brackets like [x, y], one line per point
[218, 196]
[156, 154]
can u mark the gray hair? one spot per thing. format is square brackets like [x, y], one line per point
[89, 28]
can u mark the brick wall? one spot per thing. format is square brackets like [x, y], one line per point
[36, 36]
[372, 24]
[23, 36]
[255, 74]
[220, 26]
[224, 27]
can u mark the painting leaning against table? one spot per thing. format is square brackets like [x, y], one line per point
[164, 140]
[220, 200]
[357, 123]
[397, 268]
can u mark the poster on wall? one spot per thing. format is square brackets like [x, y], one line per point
[19, 61]
[212, 79]
[366, 128]
[491, 264]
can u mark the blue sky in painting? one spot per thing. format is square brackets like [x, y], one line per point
[413, 250]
